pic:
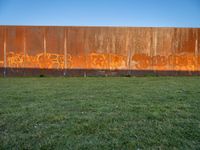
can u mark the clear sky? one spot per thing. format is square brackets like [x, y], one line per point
[176, 13]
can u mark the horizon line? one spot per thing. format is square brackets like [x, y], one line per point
[108, 26]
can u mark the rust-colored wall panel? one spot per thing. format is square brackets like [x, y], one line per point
[1, 46]
[55, 47]
[76, 48]
[141, 48]
[110, 48]
[14, 47]
[35, 48]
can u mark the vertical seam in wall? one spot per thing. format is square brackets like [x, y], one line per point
[44, 42]
[67, 38]
[129, 50]
[65, 51]
[45, 48]
[24, 45]
[196, 49]
[5, 61]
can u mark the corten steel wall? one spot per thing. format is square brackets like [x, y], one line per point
[77, 51]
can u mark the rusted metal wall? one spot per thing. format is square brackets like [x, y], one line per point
[102, 48]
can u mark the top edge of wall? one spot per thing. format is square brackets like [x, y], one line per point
[98, 26]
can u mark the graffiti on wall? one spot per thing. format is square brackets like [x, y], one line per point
[103, 61]
[58, 61]
[41, 60]
[2, 63]
[171, 62]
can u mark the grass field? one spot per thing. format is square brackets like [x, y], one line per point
[100, 113]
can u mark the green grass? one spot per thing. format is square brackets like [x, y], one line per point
[100, 113]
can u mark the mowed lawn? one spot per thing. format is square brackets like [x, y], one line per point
[100, 113]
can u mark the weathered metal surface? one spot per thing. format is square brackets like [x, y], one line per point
[99, 48]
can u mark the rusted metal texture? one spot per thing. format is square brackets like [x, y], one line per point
[29, 50]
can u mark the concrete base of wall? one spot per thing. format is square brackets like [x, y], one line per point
[28, 72]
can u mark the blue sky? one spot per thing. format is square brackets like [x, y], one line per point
[164, 13]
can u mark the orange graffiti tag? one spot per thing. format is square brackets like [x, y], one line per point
[171, 62]
[41, 60]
